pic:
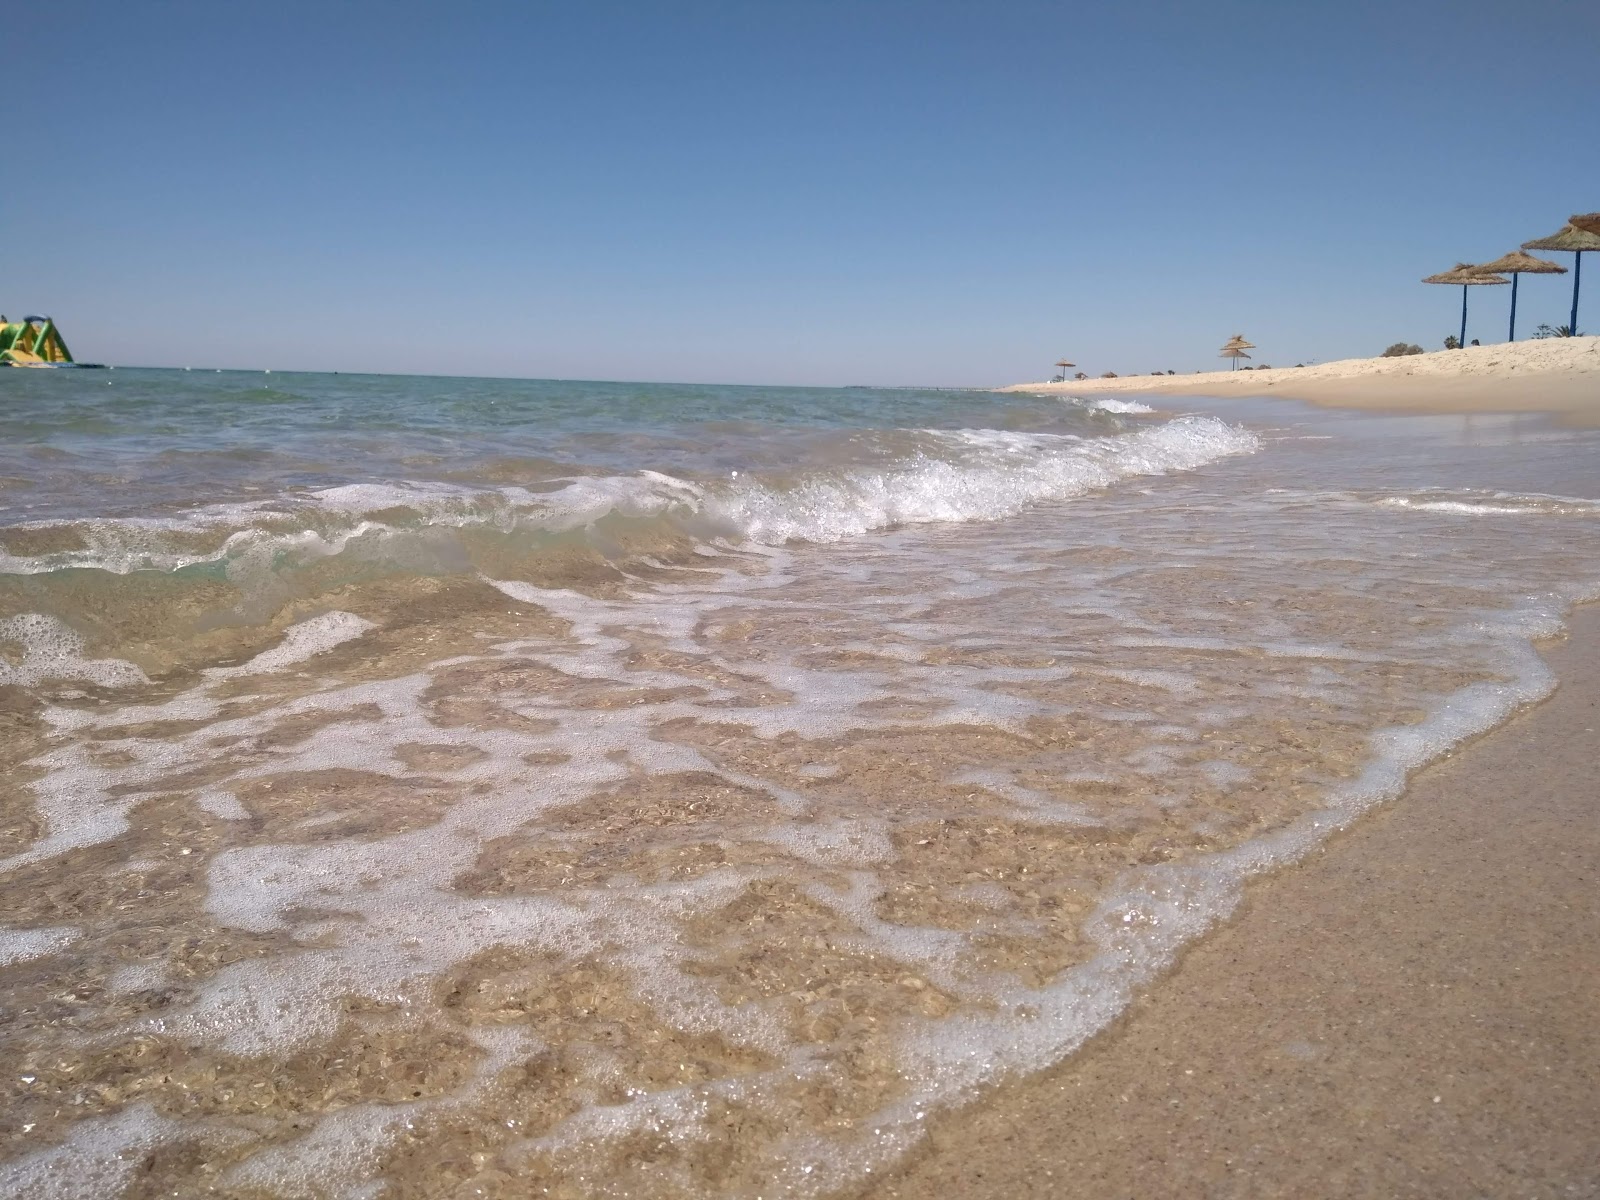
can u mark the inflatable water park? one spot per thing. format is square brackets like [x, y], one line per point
[34, 342]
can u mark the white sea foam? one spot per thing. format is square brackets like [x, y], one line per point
[1105, 404]
[975, 474]
[1494, 504]
[1111, 405]
[1001, 474]
[19, 945]
[50, 649]
[98, 1158]
[575, 503]
[301, 641]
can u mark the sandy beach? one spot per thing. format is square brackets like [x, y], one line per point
[1557, 375]
[1409, 1013]
[549, 648]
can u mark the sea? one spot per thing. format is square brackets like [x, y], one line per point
[426, 787]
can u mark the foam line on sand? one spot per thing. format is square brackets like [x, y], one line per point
[1410, 1012]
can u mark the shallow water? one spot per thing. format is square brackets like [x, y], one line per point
[436, 788]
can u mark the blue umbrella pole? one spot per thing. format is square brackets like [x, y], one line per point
[1512, 335]
[1461, 342]
[1577, 274]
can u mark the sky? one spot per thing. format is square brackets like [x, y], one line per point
[807, 192]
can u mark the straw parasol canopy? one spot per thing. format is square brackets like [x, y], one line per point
[1517, 264]
[1575, 241]
[1466, 275]
[1237, 342]
[1235, 353]
[1520, 263]
[1569, 238]
[1586, 222]
[1064, 364]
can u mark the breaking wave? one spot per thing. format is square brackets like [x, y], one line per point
[959, 475]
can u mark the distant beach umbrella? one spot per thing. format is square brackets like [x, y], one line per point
[1467, 276]
[1587, 222]
[1235, 353]
[1237, 342]
[1575, 240]
[1514, 264]
[1064, 364]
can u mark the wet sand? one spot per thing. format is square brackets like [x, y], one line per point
[1553, 375]
[1411, 1012]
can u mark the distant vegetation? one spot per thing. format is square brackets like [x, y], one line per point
[1549, 331]
[1452, 342]
[1400, 350]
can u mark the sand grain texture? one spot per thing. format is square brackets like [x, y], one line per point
[1413, 1012]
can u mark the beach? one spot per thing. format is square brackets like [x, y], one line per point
[1417, 999]
[549, 648]
[1552, 375]
[1409, 1013]
[425, 787]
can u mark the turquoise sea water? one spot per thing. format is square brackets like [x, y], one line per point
[76, 444]
[431, 787]
[157, 488]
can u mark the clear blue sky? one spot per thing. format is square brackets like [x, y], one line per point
[853, 192]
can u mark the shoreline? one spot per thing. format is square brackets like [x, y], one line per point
[1401, 1014]
[1556, 375]
[599, 863]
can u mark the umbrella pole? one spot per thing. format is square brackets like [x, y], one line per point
[1511, 335]
[1577, 274]
[1461, 342]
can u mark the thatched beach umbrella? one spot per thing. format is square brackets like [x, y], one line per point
[1467, 276]
[1064, 364]
[1588, 222]
[1235, 348]
[1576, 240]
[1514, 264]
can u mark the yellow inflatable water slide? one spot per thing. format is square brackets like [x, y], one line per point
[32, 342]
